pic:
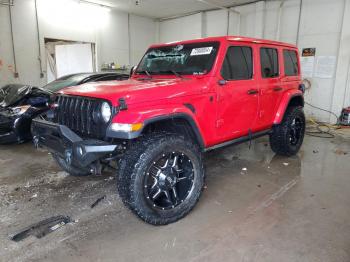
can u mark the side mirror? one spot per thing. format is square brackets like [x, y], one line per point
[132, 70]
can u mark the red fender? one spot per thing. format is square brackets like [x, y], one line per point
[288, 96]
[149, 115]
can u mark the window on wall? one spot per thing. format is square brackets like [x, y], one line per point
[269, 62]
[238, 63]
[290, 63]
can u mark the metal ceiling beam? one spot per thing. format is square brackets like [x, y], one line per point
[7, 3]
[211, 9]
[218, 6]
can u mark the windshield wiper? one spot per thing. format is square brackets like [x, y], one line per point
[173, 72]
[144, 72]
[177, 74]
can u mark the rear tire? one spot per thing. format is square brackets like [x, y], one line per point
[287, 137]
[73, 171]
[161, 178]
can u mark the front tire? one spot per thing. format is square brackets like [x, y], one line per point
[161, 178]
[287, 137]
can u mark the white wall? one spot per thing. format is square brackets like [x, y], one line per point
[6, 61]
[143, 33]
[324, 24]
[67, 20]
[188, 27]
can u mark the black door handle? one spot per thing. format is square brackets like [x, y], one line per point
[252, 91]
[277, 89]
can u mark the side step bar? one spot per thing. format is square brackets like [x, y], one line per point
[239, 140]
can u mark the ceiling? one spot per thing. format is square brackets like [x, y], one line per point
[168, 8]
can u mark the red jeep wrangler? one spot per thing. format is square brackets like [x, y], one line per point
[183, 99]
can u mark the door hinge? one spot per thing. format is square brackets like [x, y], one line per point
[261, 114]
[219, 123]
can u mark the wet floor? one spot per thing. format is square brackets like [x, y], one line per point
[255, 207]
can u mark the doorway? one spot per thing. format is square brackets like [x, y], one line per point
[64, 57]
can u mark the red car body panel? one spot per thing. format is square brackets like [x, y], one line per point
[222, 112]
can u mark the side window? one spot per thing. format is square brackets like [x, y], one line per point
[290, 63]
[269, 62]
[238, 63]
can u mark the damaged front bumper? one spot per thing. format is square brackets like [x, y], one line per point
[14, 129]
[62, 141]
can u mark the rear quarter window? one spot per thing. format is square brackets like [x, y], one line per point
[290, 60]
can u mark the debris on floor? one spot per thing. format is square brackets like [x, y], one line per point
[340, 152]
[98, 201]
[286, 164]
[42, 228]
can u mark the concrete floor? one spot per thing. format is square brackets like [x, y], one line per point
[278, 209]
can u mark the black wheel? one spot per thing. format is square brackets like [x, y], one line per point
[161, 178]
[73, 171]
[287, 137]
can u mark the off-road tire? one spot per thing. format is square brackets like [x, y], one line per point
[280, 140]
[71, 170]
[132, 171]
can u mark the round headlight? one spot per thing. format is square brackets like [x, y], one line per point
[106, 111]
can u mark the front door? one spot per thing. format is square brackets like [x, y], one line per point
[238, 93]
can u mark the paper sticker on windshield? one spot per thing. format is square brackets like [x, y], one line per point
[201, 51]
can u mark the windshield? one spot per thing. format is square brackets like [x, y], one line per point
[65, 81]
[187, 59]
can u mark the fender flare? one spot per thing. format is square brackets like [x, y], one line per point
[285, 102]
[172, 116]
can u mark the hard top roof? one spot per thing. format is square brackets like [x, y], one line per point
[230, 38]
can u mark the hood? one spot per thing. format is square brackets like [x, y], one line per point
[138, 91]
[12, 94]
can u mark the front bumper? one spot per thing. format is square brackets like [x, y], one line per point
[61, 140]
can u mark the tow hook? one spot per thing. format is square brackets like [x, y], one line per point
[96, 168]
[36, 142]
[68, 157]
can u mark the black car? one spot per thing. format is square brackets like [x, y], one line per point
[19, 104]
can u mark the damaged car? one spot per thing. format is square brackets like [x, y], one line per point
[19, 103]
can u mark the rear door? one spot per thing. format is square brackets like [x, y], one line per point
[238, 92]
[271, 89]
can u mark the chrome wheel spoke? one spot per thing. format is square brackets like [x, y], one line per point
[165, 164]
[174, 161]
[175, 195]
[167, 195]
[155, 183]
[156, 195]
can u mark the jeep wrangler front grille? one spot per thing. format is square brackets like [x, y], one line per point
[80, 114]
